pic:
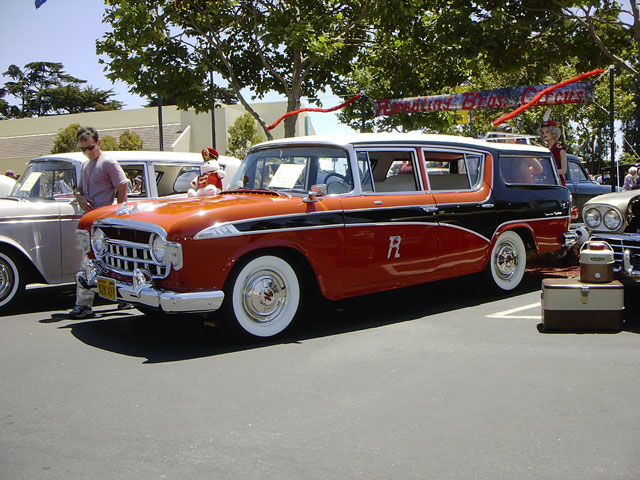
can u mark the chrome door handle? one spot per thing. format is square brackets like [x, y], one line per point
[488, 205]
[429, 208]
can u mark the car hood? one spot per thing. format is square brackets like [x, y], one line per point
[185, 217]
[615, 199]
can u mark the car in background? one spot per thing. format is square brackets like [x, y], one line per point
[336, 216]
[6, 185]
[581, 185]
[615, 218]
[39, 216]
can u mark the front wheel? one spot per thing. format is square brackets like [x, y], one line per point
[262, 297]
[12, 281]
[508, 261]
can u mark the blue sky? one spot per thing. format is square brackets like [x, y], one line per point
[66, 31]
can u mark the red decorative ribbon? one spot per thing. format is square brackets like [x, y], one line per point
[313, 109]
[535, 99]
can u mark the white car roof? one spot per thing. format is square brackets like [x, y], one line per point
[345, 139]
[138, 156]
[142, 156]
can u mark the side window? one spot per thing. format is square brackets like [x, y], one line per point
[184, 179]
[65, 182]
[137, 186]
[448, 170]
[576, 172]
[527, 169]
[394, 171]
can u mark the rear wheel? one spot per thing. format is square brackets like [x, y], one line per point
[262, 297]
[12, 281]
[508, 261]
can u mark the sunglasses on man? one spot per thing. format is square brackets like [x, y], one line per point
[90, 147]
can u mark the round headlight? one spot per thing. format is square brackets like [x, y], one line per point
[98, 241]
[612, 219]
[157, 245]
[592, 218]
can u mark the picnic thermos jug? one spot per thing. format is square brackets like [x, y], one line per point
[596, 262]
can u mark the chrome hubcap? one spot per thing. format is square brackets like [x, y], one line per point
[6, 280]
[264, 296]
[506, 261]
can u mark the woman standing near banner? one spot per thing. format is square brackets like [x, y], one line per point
[550, 133]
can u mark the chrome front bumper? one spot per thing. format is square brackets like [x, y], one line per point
[143, 292]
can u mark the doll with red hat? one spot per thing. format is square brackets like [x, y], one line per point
[550, 133]
[211, 174]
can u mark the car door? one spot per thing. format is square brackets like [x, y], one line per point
[460, 182]
[70, 213]
[390, 230]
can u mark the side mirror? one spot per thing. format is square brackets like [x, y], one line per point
[316, 193]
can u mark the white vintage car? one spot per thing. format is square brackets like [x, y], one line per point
[615, 218]
[38, 218]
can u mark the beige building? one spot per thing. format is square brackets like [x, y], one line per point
[25, 138]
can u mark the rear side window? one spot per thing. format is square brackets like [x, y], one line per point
[527, 169]
[449, 170]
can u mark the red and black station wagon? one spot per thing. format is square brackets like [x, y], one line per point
[342, 215]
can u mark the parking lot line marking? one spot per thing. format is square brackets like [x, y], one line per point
[507, 313]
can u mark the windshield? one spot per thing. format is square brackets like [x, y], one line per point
[47, 180]
[295, 170]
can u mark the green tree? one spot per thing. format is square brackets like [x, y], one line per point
[66, 140]
[43, 88]
[489, 44]
[294, 48]
[130, 141]
[242, 135]
[109, 143]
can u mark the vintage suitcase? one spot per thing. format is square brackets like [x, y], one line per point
[570, 304]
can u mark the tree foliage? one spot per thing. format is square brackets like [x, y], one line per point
[457, 45]
[386, 49]
[294, 48]
[242, 135]
[66, 140]
[129, 141]
[109, 143]
[43, 88]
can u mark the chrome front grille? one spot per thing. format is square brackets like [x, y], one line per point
[124, 256]
[621, 242]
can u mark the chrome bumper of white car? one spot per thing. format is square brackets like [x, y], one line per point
[143, 292]
[626, 253]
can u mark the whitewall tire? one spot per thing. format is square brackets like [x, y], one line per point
[262, 298]
[12, 282]
[508, 261]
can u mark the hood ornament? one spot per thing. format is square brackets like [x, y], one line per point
[125, 209]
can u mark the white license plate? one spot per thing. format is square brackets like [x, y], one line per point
[107, 288]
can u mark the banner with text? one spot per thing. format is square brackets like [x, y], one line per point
[508, 97]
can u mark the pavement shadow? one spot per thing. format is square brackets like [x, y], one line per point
[183, 337]
[45, 299]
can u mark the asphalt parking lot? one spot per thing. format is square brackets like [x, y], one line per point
[437, 381]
